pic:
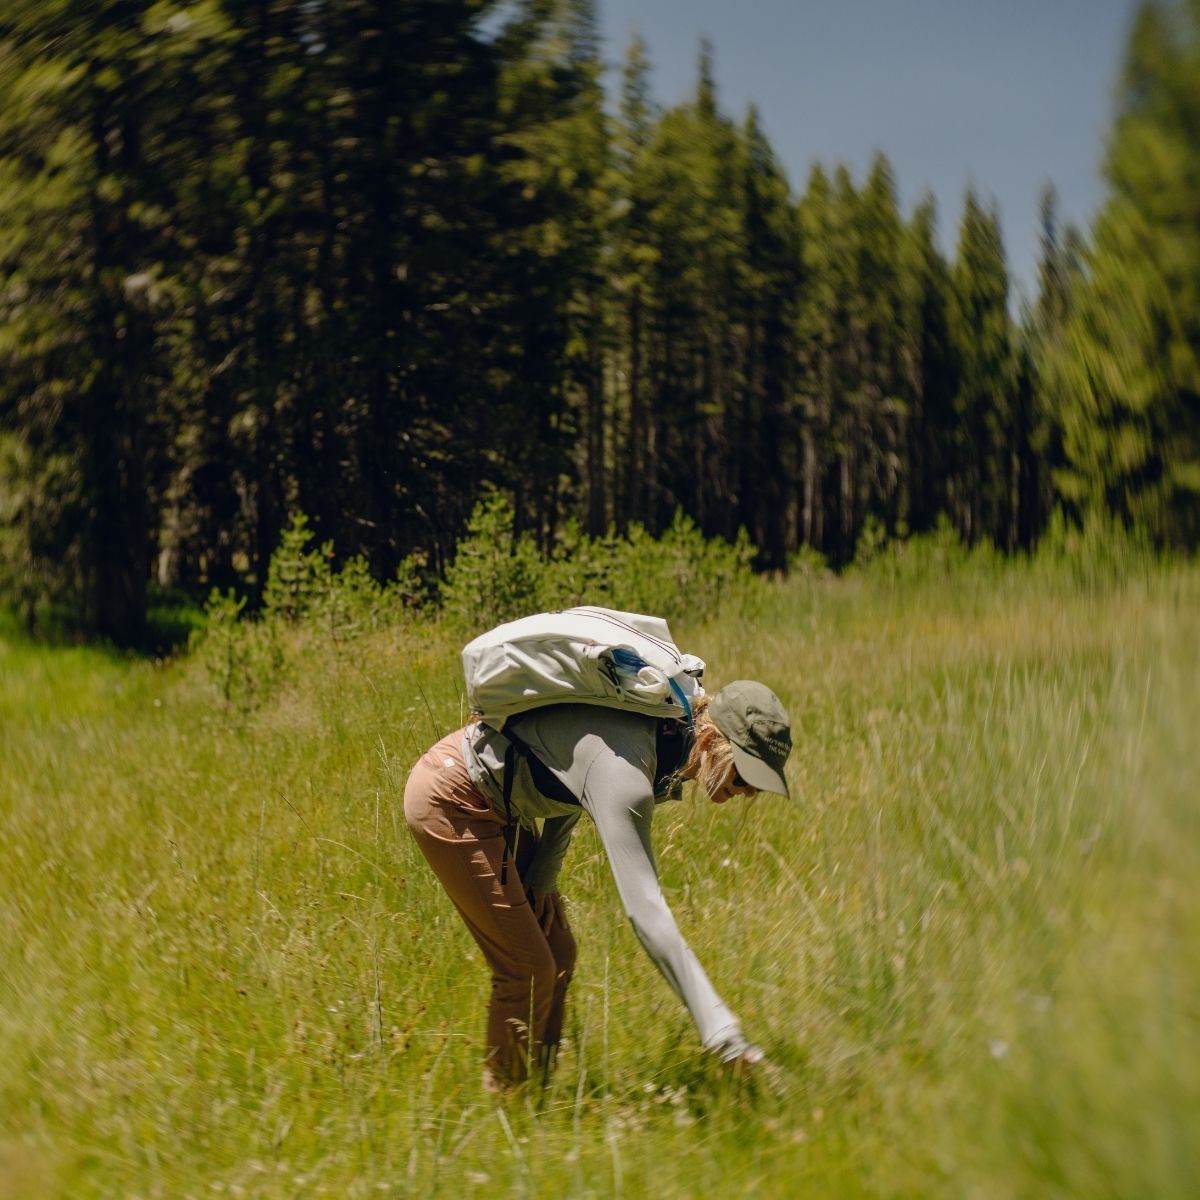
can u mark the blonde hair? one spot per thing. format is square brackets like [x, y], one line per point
[710, 758]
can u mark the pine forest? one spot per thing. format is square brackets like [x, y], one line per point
[374, 262]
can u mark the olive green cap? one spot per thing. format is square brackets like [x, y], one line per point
[750, 715]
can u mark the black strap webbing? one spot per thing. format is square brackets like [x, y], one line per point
[510, 763]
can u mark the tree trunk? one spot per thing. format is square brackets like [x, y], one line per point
[597, 509]
[637, 446]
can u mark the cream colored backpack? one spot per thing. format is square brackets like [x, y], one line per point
[587, 655]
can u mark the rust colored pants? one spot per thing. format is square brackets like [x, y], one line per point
[463, 841]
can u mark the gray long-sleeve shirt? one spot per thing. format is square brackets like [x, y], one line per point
[607, 759]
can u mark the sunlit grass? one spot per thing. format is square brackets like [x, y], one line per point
[971, 948]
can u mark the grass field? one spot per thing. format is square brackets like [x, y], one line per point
[972, 949]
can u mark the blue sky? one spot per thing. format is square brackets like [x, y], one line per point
[1004, 94]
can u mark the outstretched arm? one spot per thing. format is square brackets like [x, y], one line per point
[620, 801]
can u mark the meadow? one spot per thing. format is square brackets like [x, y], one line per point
[971, 947]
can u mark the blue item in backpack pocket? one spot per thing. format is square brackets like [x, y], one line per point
[629, 662]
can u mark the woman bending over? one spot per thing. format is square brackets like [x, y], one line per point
[567, 760]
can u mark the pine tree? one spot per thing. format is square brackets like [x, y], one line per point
[1044, 341]
[1129, 366]
[884, 384]
[91, 99]
[690, 185]
[634, 258]
[931, 362]
[984, 488]
[850, 445]
[816, 342]
[582, 150]
[765, 418]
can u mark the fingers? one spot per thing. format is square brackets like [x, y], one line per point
[758, 1072]
[749, 1062]
[556, 913]
[548, 910]
[543, 909]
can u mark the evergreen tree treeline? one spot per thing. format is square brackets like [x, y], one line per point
[371, 260]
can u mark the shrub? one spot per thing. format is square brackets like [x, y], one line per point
[687, 574]
[872, 541]
[302, 584]
[296, 573]
[808, 563]
[495, 576]
[243, 658]
[1097, 552]
[923, 558]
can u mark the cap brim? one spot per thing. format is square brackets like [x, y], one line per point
[758, 774]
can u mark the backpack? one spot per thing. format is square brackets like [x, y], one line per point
[587, 655]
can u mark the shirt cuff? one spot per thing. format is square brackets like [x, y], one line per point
[728, 1043]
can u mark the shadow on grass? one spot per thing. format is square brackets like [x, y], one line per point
[171, 618]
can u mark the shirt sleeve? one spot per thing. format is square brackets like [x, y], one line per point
[542, 874]
[620, 800]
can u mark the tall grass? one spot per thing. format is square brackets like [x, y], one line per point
[971, 948]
